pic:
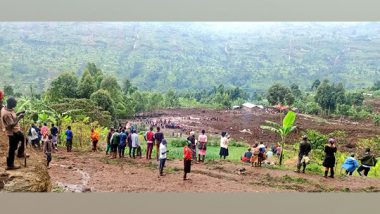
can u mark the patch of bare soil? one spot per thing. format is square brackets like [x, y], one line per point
[87, 171]
[244, 124]
[32, 178]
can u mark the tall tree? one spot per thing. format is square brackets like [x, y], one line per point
[87, 86]
[279, 94]
[103, 99]
[64, 86]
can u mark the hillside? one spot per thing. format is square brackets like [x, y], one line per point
[193, 55]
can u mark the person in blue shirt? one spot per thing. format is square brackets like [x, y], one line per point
[350, 164]
[69, 139]
[123, 143]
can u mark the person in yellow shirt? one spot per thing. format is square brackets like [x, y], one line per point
[94, 139]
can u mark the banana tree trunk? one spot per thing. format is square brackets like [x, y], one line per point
[282, 150]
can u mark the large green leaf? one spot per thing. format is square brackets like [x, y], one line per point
[289, 119]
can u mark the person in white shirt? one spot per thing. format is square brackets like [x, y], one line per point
[163, 151]
[135, 144]
[33, 137]
[224, 145]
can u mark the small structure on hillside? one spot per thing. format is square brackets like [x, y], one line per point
[251, 106]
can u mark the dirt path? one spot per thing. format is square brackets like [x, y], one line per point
[83, 172]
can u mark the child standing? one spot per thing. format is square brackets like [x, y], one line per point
[69, 139]
[163, 151]
[187, 154]
[47, 149]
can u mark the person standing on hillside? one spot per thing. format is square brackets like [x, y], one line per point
[329, 161]
[69, 139]
[109, 135]
[193, 146]
[158, 136]
[224, 145]
[129, 141]
[33, 136]
[94, 139]
[10, 120]
[163, 151]
[123, 143]
[202, 146]
[54, 134]
[303, 154]
[135, 144]
[115, 140]
[187, 154]
[47, 149]
[367, 161]
[45, 131]
[149, 138]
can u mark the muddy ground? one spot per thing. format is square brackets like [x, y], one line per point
[244, 124]
[94, 172]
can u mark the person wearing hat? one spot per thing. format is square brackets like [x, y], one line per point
[350, 164]
[187, 156]
[10, 120]
[163, 151]
[329, 161]
[303, 154]
[192, 146]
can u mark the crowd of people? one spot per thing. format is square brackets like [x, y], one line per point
[118, 139]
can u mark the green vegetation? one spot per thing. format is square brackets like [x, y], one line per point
[284, 130]
[184, 56]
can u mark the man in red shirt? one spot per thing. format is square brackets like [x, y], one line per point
[187, 154]
[149, 137]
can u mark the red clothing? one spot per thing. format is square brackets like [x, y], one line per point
[149, 136]
[187, 153]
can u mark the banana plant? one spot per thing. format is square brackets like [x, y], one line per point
[284, 130]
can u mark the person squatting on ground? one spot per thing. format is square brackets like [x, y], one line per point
[193, 145]
[350, 164]
[329, 161]
[187, 155]
[149, 138]
[202, 146]
[163, 151]
[115, 140]
[247, 156]
[10, 120]
[303, 154]
[109, 135]
[158, 136]
[135, 144]
[224, 145]
[122, 144]
[47, 149]
[54, 133]
[94, 139]
[69, 139]
[367, 161]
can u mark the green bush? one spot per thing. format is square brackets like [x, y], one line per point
[178, 142]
